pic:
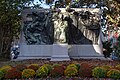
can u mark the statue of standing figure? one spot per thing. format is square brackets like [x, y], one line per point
[60, 26]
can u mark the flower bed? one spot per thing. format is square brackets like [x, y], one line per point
[71, 71]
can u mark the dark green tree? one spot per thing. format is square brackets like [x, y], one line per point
[10, 19]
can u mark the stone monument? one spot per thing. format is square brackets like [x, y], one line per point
[61, 35]
[85, 33]
[36, 34]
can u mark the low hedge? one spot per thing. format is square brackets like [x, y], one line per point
[73, 70]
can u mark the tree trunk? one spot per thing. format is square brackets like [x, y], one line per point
[1, 40]
[5, 41]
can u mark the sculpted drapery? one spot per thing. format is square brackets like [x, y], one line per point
[75, 27]
[39, 30]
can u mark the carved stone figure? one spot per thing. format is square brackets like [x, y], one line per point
[60, 25]
[39, 30]
[84, 27]
[72, 27]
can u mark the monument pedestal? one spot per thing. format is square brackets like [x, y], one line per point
[86, 52]
[60, 52]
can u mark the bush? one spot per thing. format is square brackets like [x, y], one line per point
[99, 72]
[86, 70]
[71, 72]
[117, 67]
[20, 67]
[57, 71]
[42, 72]
[33, 66]
[72, 65]
[28, 73]
[78, 65]
[49, 67]
[54, 65]
[13, 74]
[4, 69]
[1, 75]
[107, 67]
[113, 73]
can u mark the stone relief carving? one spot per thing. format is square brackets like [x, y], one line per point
[39, 30]
[60, 25]
[74, 27]
[84, 27]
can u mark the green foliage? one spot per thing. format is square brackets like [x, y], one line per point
[28, 73]
[10, 20]
[1, 75]
[57, 71]
[118, 48]
[49, 67]
[117, 67]
[86, 70]
[73, 65]
[13, 74]
[42, 71]
[71, 72]
[107, 48]
[113, 73]
[33, 66]
[4, 69]
[99, 72]
[107, 67]
[78, 65]
[55, 65]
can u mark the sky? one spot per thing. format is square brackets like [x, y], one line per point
[44, 5]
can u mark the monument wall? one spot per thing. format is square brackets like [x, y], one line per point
[44, 32]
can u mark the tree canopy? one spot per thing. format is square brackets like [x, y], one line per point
[10, 11]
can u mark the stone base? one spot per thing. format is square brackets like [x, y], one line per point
[35, 52]
[86, 52]
[60, 52]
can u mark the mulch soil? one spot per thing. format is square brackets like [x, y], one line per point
[96, 62]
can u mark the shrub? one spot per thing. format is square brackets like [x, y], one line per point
[86, 70]
[1, 75]
[99, 72]
[78, 65]
[107, 67]
[54, 65]
[4, 69]
[20, 67]
[33, 66]
[71, 72]
[13, 74]
[72, 65]
[57, 71]
[114, 73]
[42, 72]
[117, 67]
[28, 73]
[49, 67]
